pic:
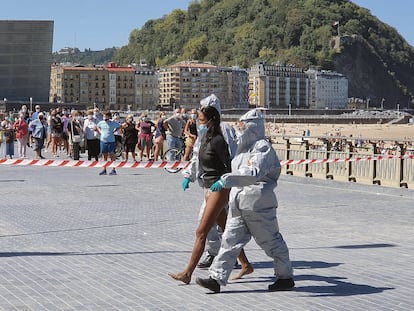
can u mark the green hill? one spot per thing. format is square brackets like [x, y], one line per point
[86, 57]
[378, 62]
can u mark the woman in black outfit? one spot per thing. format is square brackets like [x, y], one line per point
[130, 135]
[214, 161]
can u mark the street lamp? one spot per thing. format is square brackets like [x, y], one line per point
[31, 104]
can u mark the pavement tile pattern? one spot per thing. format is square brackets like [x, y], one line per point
[73, 240]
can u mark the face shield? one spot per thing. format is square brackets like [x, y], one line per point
[250, 130]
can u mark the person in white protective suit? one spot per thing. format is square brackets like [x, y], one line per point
[252, 207]
[213, 241]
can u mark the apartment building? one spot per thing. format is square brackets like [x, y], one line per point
[107, 87]
[121, 87]
[146, 88]
[328, 90]
[186, 83]
[278, 86]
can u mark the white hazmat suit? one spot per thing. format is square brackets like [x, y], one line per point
[252, 204]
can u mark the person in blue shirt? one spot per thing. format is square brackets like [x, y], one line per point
[106, 129]
[38, 128]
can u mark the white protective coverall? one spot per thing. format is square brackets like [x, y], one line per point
[252, 204]
[213, 241]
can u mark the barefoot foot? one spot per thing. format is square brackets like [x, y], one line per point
[181, 276]
[243, 271]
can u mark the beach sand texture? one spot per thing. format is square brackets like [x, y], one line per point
[366, 131]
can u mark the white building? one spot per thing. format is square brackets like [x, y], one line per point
[186, 83]
[146, 88]
[278, 85]
[328, 90]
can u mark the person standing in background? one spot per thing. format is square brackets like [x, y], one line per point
[130, 135]
[146, 128]
[22, 134]
[106, 129]
[174, 126]
[91, 135]
[38, 128]
[160, 135]
[190, 132]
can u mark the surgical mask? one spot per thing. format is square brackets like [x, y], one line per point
[79, 118]
[202, 129]
[177, 115]
[194, 116]
[90, 117]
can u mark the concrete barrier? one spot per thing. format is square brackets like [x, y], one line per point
[358, 164]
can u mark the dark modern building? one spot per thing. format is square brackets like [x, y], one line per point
[25, 60]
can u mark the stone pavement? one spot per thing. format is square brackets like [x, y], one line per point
[73, 240]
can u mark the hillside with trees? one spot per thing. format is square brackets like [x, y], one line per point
[376, 59]
[86, 58]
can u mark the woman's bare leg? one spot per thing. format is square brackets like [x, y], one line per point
[215, 203]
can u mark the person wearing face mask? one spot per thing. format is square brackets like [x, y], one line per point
[174, 127]
[91, 135]
[160, 135]
[190, 132]
[56, 131]
[252, 207]
[75, 128]
[214, 236]
[146, 128]
[130, 134]
[213, 162]
[97, 114]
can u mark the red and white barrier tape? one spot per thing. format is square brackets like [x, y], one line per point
[338, 160]
[173, 164]
[109, 164]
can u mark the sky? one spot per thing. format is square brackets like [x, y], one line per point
[100, 24]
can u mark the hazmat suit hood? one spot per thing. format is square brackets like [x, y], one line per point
[212, 101]
[254, 131]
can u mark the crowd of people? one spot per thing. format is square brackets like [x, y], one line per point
[64, 132]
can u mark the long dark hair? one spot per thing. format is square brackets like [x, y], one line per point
[213, 118]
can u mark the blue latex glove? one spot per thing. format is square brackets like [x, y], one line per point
[217, 186]
[185, 183]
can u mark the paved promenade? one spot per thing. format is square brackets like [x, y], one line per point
[73, 240]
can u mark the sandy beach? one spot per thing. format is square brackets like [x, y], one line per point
[366, 131]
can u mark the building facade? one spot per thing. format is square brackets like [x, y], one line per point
[146, 88]
[328, 90]
[25, 58]
[106, 87]
[278, 86]
[186, 83]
